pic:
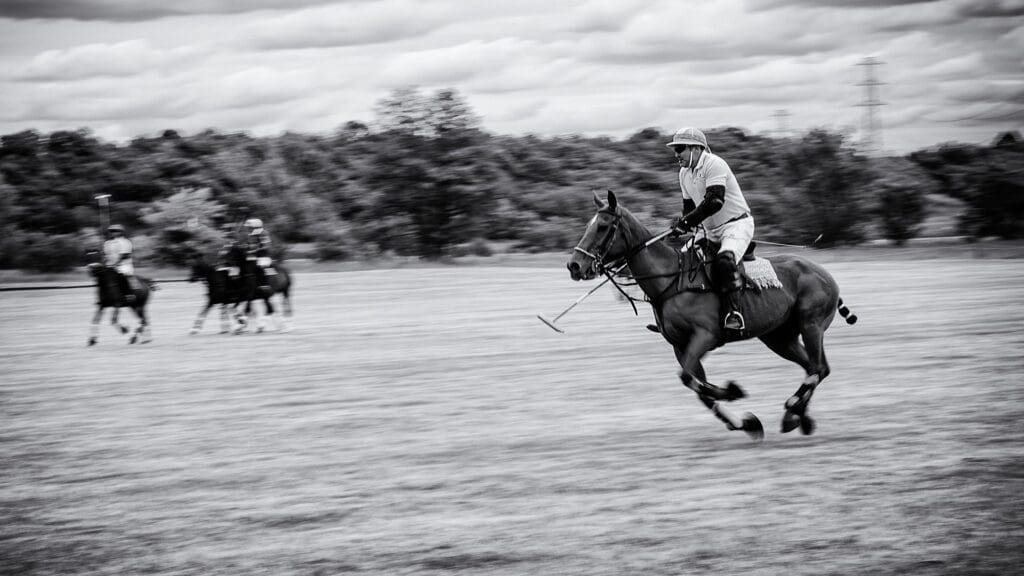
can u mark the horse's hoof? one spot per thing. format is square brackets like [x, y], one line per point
[194, 331]
[807, 425]
[790, 421]
[734, 392]
[124, 329]
[133, 340]
[752, 426]
[92, 341]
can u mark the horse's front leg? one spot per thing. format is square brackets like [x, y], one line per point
[243, 317]
[142, 334]
[200, 318]
[261, 319]
[116, 323]
[225, 320]
[694, 378]
[94, 329]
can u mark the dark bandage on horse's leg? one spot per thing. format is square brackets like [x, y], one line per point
[803, 394]
[705, 391]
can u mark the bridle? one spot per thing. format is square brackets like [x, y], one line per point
[599, 254]
[615, 268]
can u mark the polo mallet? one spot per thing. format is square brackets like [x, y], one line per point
[551, 323]
[791, 245]
[104, 208]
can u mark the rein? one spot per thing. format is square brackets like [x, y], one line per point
[619, 263]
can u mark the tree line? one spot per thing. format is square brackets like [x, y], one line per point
[425, 180]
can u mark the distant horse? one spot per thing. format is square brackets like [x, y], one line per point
[109, 295]
[801, 305]
[221, 288]
[277, 281]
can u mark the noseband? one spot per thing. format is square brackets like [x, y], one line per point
[604, 245]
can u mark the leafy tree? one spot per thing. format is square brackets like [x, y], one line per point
[997, 207]
[823, 184]
[899, 188]
[186, 223]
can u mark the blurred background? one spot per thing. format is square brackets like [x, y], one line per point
[427, 181]
[358, 130]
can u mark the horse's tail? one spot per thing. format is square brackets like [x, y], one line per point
[845, 313]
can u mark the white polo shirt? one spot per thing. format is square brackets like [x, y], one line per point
[711, 170]
[113, 248]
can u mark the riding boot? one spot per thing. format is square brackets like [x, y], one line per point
[656, 327]
[126, 289]
[729, 281]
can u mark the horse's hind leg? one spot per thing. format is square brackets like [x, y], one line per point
[810, 356]
[94, 329]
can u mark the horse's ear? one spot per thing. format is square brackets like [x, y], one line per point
[612, 201]
[598, 201]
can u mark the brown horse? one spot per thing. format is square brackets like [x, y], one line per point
[108, 295]
[679, 288]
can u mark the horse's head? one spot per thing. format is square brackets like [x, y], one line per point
[198, 270]
[602, 241]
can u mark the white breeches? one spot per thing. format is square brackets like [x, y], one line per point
[734, 236]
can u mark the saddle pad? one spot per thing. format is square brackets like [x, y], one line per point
[761, 273]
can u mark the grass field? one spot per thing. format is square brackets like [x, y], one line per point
[422, 421]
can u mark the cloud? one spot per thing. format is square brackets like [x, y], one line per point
[841, 4]
[128, 58]
[575, 66]
[991, 9]
[344, 25]
[136, 10]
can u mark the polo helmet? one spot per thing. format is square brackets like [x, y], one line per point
[689, 137]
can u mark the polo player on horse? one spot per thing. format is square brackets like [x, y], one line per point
[714, 202]
[257, 251]
[117, 254]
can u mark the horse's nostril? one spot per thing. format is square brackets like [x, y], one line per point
[573, 267]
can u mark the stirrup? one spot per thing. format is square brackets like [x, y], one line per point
[734, 321]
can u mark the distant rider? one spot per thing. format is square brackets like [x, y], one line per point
[117, 254]
[257, 250]
[712, 200]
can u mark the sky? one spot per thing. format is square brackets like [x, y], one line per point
[949, 70]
